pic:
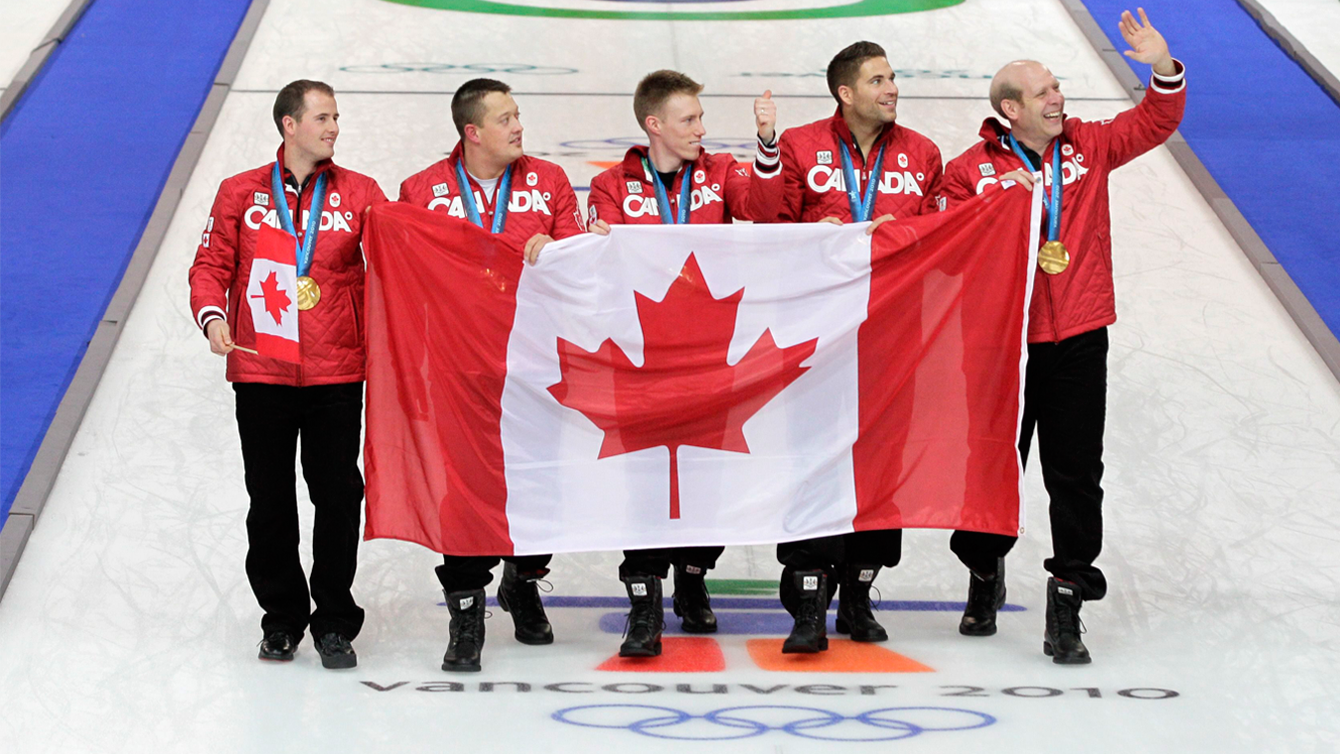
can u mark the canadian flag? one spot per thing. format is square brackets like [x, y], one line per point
[272, 293]
[695, 385]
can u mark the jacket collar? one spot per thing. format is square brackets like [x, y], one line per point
[632, 162]
[843, 133]
[289, 180]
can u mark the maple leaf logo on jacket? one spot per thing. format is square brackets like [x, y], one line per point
[276, 300]
[685, 392]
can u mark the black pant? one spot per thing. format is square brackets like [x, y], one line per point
[461, 573]
[883, 547]
[1065, 398]
[270, 418]
[657, 561]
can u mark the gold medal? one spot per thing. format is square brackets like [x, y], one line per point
[1052, 258]
[309, 293]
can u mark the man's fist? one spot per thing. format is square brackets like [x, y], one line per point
[220, 336]
[765, 117]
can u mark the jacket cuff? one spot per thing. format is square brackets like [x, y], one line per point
[207, 314]
[1169, 84]
[767, 158]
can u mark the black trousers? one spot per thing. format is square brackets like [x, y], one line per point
[328, 418]
[461, 573]
[657, 561]
[883, 547]
[1065, 399]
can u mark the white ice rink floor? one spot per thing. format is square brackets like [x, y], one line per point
[129, 625]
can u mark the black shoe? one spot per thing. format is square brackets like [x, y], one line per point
[855, 615]
[1062, 642]
[336, 652]
[519, 595]
[810, 633]
[691, 601]
[986, 595]
[646, 620]
[278, 646]
[467, 631]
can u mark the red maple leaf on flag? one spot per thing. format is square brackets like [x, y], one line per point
[685, 393]
[276, 299]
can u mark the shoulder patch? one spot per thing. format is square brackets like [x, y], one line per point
[902, 159]
[634, 187]
[261, 198]
[334, 199]
[824, 157]
[532, 179]
[987, 169]
[441, 189]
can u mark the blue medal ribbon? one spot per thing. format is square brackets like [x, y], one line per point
[1058, 178]
[502, 197]
[663, 197]
[305, 249]
[861, 207]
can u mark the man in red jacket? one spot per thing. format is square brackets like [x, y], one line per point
[321, 398]
[673, 181]
[858, 165]
[490, 181]
[1073, 303]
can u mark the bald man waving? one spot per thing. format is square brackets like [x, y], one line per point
[1065, 392]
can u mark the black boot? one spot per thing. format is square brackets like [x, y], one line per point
[986, 595]
[790, 596]
[518, 595]
[855, 615]
[646, 620]
[691, 602]
[1062, 642]
[809, 635]
[467, 631]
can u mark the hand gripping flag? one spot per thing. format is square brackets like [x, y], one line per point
[272, 293]
[694, 385]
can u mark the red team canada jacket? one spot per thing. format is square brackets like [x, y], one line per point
[542, 199]
[330, 333]
[814, 188]
[720, 191]
[1081, 298]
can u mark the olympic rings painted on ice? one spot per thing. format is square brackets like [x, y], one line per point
[755, 720]
[461, 68]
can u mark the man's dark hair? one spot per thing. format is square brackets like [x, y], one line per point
[846, 65]
[292, 100]
[467, 104]
[657, 87]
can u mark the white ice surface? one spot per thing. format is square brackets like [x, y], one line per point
[129, 625]
[23, 25]
[1312, 23]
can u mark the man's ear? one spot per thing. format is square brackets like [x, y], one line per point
[846, 94]
[290, 125]
[652, 125]
[472, 133]
[1012, 109]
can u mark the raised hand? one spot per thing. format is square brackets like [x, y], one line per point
[765, 117]
[1147, 44]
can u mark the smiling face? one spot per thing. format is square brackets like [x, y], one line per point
[498, 132]
[678, 126]
[873, 96]
[1037, 114]
[314, 132]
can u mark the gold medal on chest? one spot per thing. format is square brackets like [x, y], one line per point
[309, 293]
[1052, 258]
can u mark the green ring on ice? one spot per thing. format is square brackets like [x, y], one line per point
[858, 8]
